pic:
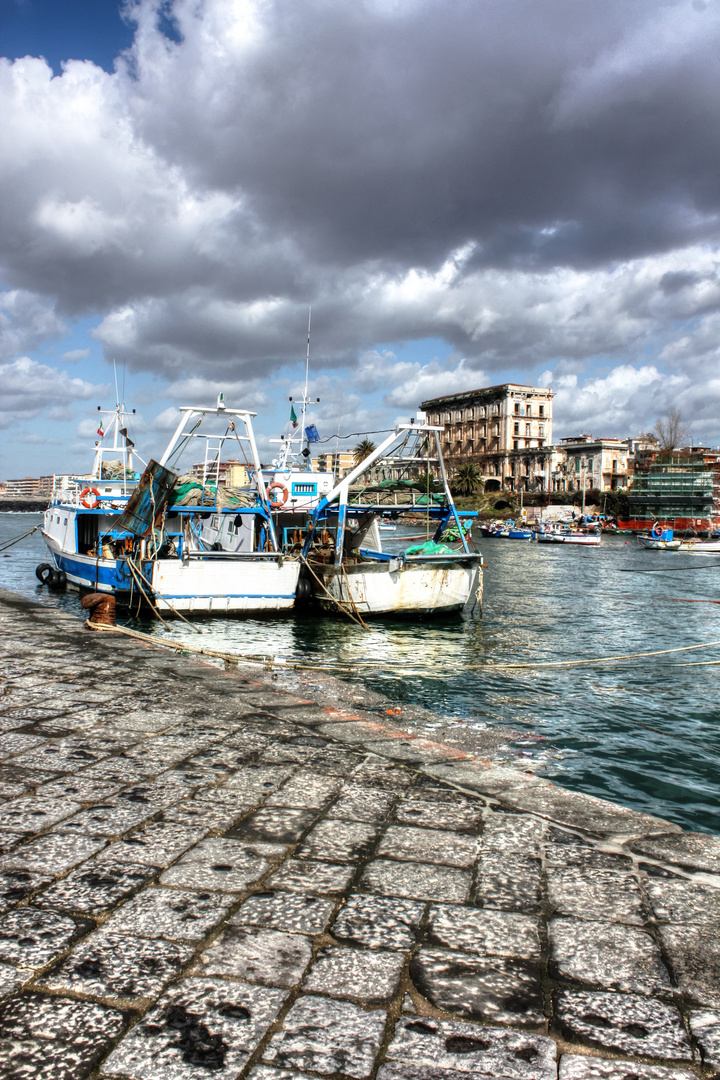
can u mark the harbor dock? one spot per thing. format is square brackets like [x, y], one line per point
[203, 873]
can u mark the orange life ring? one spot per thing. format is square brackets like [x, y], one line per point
[90, 491]
[657, 529]
[275, 504]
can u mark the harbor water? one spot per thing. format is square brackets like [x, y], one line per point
[644, 731]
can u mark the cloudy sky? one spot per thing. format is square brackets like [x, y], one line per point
[466, 192]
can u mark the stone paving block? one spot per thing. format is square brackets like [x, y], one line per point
[108, 819]
[32, 814]
[576, 810]
[509, 882]
[465, 817]
[275, 824]
[170, 913]
[694, 956]
[286, 753]
[327, 1037]
[428, 846]
[587, 893]
[364, 975]
[623, 1023]
[292, 912]
[375, 772]
[15, 743]
[577, 1067]
[565, 850]
[109, 965]
[119, 770]
[199, 1027]
[206, 811]
[17, 885]
[705, 1027]
[676, 900]
[495, 989]
[52, 854]
[377, 922]
[486, 932]
[224, 865]
[158, 844]
[267, 1072]
[9, 840]
[307, 790]
[96, 886]
[12, 791]
[258, 780]
[54, 1038]
[338, 841]
[257, 955]
[337, 762]
[302, 875]
[611, 956]
[396, 1070]
[695, 851]
[13, 979]
[417, 881]
[359, 803]
[79, 788]
[31, 938]
[467, 1049]
[152, 720]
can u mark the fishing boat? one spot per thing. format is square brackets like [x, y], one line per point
[346, 566]
[660, 538]
[700, 547]
[178, 543]
[568, 535]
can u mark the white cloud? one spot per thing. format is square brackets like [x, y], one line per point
[29, 389]
[73, 355]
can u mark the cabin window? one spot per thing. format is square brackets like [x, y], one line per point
[64, 521]
[304, 489]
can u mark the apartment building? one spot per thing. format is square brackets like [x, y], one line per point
[585, 462]
[505, 430]
[340, 463]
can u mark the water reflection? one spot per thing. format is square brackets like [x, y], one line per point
[644, 732]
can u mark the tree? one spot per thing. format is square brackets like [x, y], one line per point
[671, 430]
[466, 479]
[363, 450]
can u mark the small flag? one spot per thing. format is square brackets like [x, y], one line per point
[100, 430]
[293, 416]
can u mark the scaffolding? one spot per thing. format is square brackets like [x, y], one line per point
[681, 492]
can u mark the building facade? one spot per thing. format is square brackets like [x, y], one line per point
[340, 463]
[506, 431]
[584, 463]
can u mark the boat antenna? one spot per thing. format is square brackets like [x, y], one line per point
[307, 371]
[117, 392]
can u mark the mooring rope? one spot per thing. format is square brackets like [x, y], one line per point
[23, 537]
[599, 659]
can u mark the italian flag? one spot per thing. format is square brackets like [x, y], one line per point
[293, 416]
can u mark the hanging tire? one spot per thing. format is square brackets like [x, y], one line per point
[57, 580]
[43, 572]
[303, 592]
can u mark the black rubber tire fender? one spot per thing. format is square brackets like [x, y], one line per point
[43, 572]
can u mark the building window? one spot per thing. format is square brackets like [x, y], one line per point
[541, 410]
[516, 429]
[527, 429]
[516, 444]
[481, 411]
[528, 409]
[541, 429]
[517, 407]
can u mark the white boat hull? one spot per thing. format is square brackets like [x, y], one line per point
[213, 586]
[586, 539]
[701, 547]
[421, 587]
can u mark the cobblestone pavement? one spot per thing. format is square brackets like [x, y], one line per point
[201, 876]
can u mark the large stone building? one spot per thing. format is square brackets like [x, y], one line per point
[584, 462]
[505, 430]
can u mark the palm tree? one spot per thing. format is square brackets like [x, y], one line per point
[466, 479]
[363, 450]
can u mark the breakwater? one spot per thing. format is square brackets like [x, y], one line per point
[205, 875]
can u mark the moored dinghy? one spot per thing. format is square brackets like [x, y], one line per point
[348, 568]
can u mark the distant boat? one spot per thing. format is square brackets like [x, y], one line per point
[659, 539]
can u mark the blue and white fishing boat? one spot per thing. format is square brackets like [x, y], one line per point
[184, 546]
